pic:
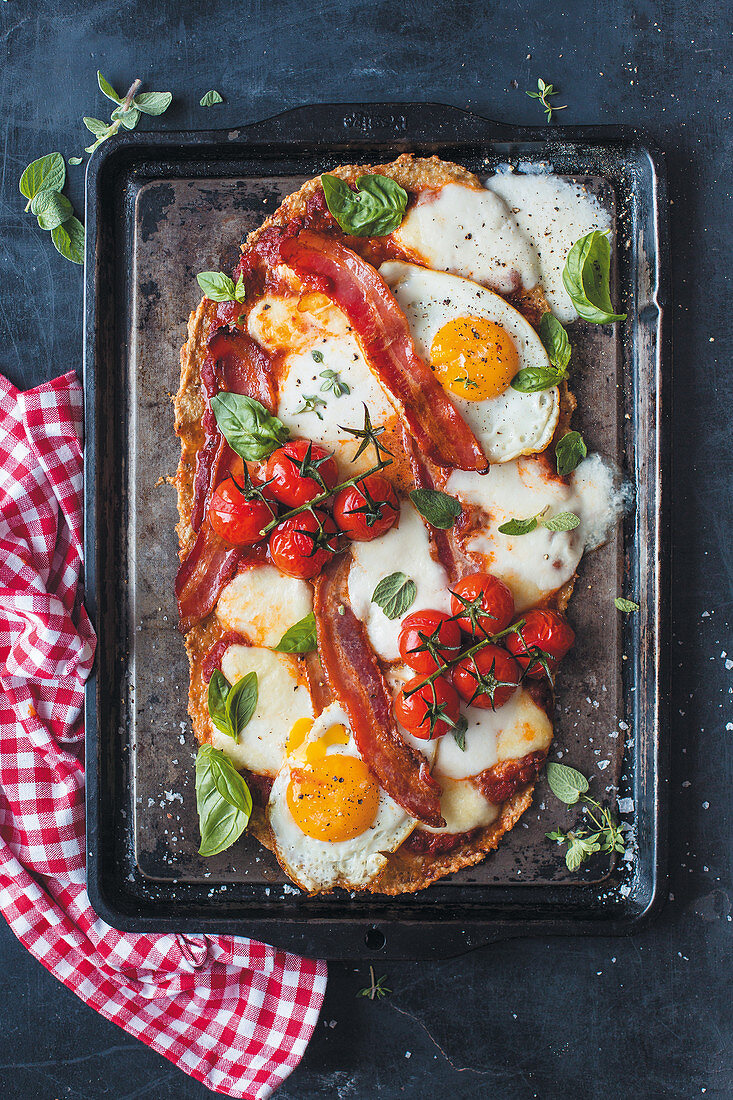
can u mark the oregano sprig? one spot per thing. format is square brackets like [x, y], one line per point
[571, 787]
[543, 93]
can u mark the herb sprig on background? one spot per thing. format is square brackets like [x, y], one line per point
[571, 786]
[543, 93]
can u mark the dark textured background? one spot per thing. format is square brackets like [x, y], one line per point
[645, 1017]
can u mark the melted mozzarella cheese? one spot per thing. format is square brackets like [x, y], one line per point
[536, 564]
[261, 603]
[510, 423]
[553, 213]
[469, 231]
[515, 729]
[404, 548]
[282, 698]
[463, 807]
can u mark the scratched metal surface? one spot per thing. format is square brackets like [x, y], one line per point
[181, 227]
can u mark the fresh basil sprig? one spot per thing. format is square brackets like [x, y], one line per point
[220, 288]
[557, 345]
[375, 209]
[395, 594]
[223, 801]
[562, 521]
[627, 606]
[247, 426]
[210, 98]
[586, 278]
[536, 379]
[300, 637]
[569, 453]
[439, 509]
[232, 706]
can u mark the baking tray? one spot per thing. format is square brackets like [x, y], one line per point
[161, 207]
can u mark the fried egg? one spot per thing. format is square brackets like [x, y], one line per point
[469, 231]
[476, 342]
[261, 603]
[283, 699]
[325, 382]
[536, 564]
[332, 824]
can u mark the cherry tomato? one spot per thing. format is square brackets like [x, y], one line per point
[484, 603]
[488, 679]
[366, 510]
[430, 711]
[427, 635]
[235, 518]
[543, 630]
[301, 546]
[299, 471]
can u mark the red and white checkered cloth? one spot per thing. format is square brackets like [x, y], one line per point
[231, 1012]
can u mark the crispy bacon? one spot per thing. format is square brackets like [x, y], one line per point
[357, 682]
[453, 561]
[436, 844]
[499, 783]
[382, 328]
[213, 658]
[201, 577]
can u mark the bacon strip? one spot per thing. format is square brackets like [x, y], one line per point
[201, 577]
[356, 287]
[453, 561]
[356, 680]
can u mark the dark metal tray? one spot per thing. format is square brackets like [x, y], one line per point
[161, 207]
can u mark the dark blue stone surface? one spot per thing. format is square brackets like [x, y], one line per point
[644, 1017]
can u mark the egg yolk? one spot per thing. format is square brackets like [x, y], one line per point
[332, 797]
[474, 358]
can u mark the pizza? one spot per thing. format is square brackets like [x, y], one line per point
[383, 503]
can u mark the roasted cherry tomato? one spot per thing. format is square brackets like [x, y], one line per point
[488, 679]
[484, 605]
[366, 510]
[545, 638]
[299, 471]
[430, 711]
[301, 546]
[427, 639]
[236, 518]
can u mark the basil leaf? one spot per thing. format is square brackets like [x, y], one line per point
[459, 732]
[439, 509]
[569, 452]
[51, 209]
[586, 278]
[518, 526]
[210, 98]
[563, 521]
[566, 783]
[317, 356]
[75, 160]
[153, 103]
[69, 240]
[536, 379]
[300, 637]
[219, 688]
[375, 209]
[247, 426]
[555, 341]
[241, 702]
[395, 594]
[45, 174]
[239, 292]
[217, 286]
[106, 89]
[223, 801]
[627, 606]
[95, 126]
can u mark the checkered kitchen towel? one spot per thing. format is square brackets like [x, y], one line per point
[233, 1013]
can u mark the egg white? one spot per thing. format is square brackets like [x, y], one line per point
[321, 865]
[512, 423]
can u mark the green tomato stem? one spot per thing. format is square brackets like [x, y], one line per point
[462, 656]
[381, 464]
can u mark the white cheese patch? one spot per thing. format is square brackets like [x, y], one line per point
[404, 548]
[463, 807]
[470, 231]
[261, 603]
[282, 699]
[537, 564]
[553, 213]
[511, 731]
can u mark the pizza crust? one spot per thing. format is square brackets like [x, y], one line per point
[406, 872]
